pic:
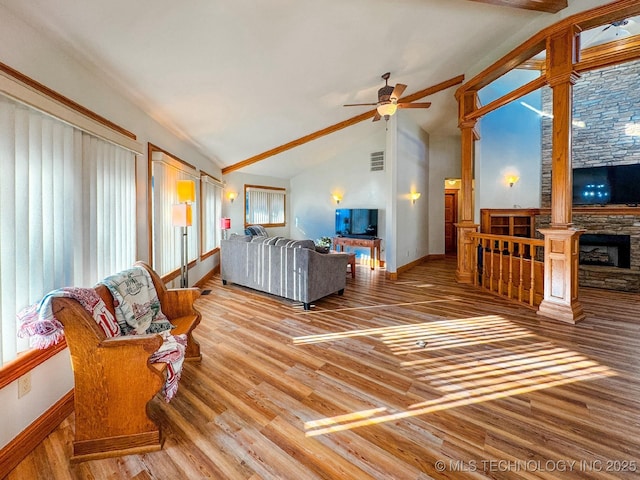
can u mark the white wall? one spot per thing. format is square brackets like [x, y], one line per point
[31, 53]
[235, 182]
[444, 162]
[403, 226]
[510, 143]
[412, 220]
[346, 172]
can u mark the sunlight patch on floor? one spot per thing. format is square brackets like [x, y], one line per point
[468, 361]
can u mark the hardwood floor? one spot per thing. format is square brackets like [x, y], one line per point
[410, 379]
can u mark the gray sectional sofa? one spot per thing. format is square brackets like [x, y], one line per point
[291, 269]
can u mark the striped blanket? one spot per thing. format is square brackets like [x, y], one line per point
[38, 323]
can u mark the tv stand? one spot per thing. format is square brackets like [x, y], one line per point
[373, 244]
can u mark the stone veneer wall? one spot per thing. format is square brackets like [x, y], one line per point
[606, 101]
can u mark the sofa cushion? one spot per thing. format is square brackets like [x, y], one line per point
[286, 242]
[265, 240]
[256, 230]
[240, 238]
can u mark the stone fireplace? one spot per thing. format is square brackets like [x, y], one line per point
[605, 250]
[609, 248]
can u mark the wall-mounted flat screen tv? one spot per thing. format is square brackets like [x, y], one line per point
[615, 184]
[357, 222]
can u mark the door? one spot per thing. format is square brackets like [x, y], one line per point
[450, 219]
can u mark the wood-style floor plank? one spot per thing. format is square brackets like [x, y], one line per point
[387, 381]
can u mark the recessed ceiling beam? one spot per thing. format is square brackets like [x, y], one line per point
[339, 126]
[549, 6]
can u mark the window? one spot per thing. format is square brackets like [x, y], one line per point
[166, 170]
[211, 201]
[265, 206]
[67, 211]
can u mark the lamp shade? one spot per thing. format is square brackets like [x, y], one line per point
[225, 223]
[186, 190]
[385, 109]
[181, 215]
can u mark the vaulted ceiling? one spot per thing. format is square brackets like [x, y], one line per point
[239, 78]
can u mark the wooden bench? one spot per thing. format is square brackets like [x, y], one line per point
[114, 380]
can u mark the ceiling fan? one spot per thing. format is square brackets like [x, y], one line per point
[388, 97]
[600, 35]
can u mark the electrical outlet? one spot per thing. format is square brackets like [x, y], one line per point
[24, 384]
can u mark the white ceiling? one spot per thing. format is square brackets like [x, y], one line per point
[239, 77]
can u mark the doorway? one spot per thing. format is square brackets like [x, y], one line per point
[450, 219]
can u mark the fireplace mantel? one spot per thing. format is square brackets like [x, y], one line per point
[596, 210]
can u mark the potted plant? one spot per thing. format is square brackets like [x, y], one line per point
[323, 244]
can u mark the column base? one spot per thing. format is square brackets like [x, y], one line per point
[561, 254]
[464, 271]
[572, 313]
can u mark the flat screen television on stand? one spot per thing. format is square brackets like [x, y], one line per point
[357, 222]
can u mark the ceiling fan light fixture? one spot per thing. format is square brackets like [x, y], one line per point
[387, 109]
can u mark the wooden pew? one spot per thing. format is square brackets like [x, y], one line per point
[114, 380]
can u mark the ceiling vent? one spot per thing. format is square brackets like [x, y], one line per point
[377, 162]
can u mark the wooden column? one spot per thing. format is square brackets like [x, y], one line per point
[467, 103]
[561, 240]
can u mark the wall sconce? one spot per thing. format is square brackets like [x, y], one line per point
[337, 197]
[232, 196]
[414, 196]
[512, 180]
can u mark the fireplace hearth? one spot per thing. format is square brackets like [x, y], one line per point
[605, 250]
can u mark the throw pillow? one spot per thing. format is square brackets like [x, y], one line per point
[256, 230]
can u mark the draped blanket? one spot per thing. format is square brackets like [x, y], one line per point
[39, 324]
[44, 330]
[136, 302]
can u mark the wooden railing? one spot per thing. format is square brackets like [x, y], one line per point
[510, 266]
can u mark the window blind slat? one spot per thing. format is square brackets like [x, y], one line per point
[167, 239]
[265, 206]
[60, 207]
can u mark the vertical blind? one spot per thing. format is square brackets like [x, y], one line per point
[67, 211]
[265, 206]
[167, 239]
[211, 191]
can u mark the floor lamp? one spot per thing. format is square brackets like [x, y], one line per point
[182, 217]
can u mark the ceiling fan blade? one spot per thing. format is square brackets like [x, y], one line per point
[376, 117]
[359, 104]
[398, 91]
[415, 105]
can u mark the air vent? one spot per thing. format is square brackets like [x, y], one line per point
[377, 161]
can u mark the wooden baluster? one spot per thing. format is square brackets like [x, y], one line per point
[520, 285]
[484, 263]
[491, 249]
[500, 275]
[475, 263]
[510, 284]
[485, 266]
[532, 290]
